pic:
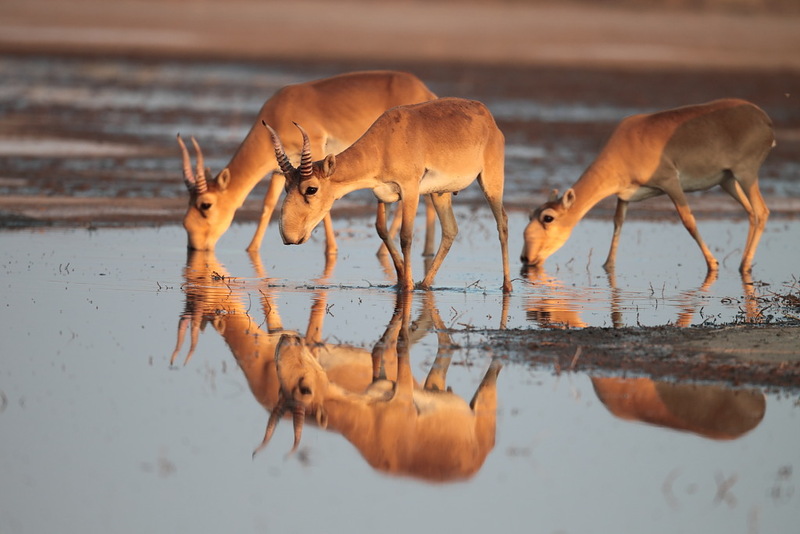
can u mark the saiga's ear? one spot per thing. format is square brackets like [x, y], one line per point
[329, 165]
[568, 199]
[322, 417]
[224, 179]
[553, 195]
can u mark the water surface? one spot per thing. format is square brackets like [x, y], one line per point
[101, 432]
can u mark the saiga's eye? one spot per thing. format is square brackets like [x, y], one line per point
[547, 219]
[303, 388]
[311, 191]
[205, 206]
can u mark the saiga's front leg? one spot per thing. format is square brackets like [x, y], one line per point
[273, 194]
[619, 219]
[385, 235]
[405, 280]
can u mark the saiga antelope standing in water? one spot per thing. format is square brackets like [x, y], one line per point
[691, 148]
[335, 111]
[437, 147]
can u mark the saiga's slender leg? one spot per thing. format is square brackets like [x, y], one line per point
[430, 220]
[276, 185]
[678, 198]
[744, 188]
[405, 280]
[383, 233]
[492, 182]
[443, 204]
[619, 219]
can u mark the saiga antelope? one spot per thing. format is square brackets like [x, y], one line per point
[691, 148]
[437, 147]
[335, 111]
[428, 433]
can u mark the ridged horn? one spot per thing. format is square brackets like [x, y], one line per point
[188, 175]
[202, 186]
[280, 154]
[305, 155]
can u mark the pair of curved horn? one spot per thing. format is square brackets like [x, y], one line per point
[197, 183]
[283, 160]
[298, 419]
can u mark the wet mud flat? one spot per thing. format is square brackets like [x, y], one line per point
[738, 355]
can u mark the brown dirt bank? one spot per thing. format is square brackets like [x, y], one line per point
[757, 355]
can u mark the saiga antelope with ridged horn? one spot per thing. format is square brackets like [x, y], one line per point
[335, 112]
[691, 148]
[437, 148]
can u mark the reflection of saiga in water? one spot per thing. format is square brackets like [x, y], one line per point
[428, 433]
[710, 411]
[560, 305]
[212, 297]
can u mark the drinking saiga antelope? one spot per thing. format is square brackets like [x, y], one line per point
[691, 148]
[335, 112]
[428, 433]
[437, 147]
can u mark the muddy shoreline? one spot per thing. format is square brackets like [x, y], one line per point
[737, 355]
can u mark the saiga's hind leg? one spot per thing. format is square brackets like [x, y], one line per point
[744, 188]
[492, 182]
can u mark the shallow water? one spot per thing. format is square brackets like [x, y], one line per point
[100, 432]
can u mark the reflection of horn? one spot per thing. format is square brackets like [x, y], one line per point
[298, 418]
[274, 417]
[322, 417]
[202, 186]
[280, 154]
[305, 154]
[188, 176]
[183, 324]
